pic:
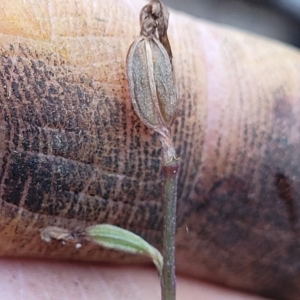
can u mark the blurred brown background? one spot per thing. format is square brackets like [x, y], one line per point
[278, 19]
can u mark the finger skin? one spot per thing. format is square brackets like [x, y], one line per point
[75, 153]
[41, 280]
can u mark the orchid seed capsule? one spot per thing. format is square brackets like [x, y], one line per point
[151, 82]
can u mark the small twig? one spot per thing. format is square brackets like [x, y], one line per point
[154, 98]
[170, 170]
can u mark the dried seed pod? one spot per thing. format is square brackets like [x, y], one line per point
[151, 83]
[150, 71]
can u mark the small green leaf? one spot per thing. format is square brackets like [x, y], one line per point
[113, 237]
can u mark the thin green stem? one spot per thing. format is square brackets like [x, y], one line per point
[170, 170]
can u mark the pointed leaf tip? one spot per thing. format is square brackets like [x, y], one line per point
[113, 237]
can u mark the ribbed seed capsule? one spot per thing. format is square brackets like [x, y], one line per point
[151, 83]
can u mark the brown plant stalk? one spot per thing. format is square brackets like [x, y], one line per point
[154, 97]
